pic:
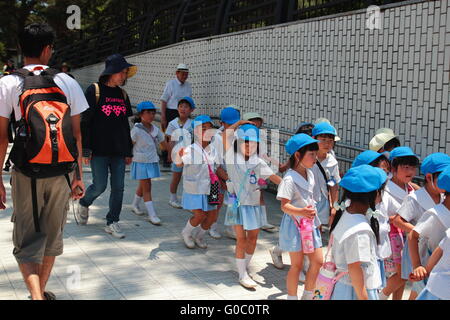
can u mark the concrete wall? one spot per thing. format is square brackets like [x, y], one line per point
[333, 67]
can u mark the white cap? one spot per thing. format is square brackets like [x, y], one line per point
[182, 67]
[382, 136]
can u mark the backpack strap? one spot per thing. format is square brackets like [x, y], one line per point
[125, 95]
[97, 92]
[35, 205]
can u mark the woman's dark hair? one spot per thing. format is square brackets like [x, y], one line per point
[34, 38]
[406, 161]
[302, 151]
[391, 144]
[105, 78]
[446, 193]
[377, 161]
[365, 198]
[305, 128]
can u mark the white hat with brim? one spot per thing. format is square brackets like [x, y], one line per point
[382, 136]
[251, 115]
[182, 67]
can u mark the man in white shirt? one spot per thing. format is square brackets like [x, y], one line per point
[36, 246]
[174, 91]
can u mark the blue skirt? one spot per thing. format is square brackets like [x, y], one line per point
[382, 273]
[406, 262]
[175, 168]
[289, 236]
[249, 217]
[323, 210]
[140, 171]
[196, 202]
[427, 295]
[344, 291]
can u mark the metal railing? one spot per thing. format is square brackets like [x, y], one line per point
[180, 20]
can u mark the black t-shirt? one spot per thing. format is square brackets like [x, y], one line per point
[104, 126]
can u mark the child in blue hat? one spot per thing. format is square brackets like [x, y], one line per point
[353, 239]
[199, 160]
[145, 166]
[326, 172]
[404, 164]
[178, 135]
[297, 202]
[438, 268]
[429, 232]
[247, 173]
[412, 209]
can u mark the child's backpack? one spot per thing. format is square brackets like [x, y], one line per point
[44, 145]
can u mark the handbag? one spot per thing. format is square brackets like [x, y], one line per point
[327, 278]
[213, 196]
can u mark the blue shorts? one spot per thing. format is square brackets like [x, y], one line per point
[175, 168]
[249, 217]
[427, 295]
[382, 273]
[196, 202]
[406, 262]
[289, 236]
[141, 171]
[323, 210]
[343, 291]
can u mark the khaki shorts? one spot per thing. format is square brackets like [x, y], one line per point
[53, 196]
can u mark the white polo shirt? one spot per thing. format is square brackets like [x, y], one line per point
[174, 91]
[145, 148]
[439, 281]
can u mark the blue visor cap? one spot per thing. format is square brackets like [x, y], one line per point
[188, 100]
[299, 141]
[401, 152]
[230, 115]
[323, 128]
[145, 105]
[366, 157]
[248, 132]
[363, 179]
[435, 162]
[443, 181]
[201, 119]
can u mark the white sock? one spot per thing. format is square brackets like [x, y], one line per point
[150, 209]
[292, 297]
[248, 257]
[136, 200]
[383, 296]
[277, 250]
[241, 268]
[188, 228]
[200, 233]
[173, 197]
[307, 295]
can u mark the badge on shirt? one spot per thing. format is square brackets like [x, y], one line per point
[253, 179]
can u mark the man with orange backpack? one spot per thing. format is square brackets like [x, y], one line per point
[44, 106]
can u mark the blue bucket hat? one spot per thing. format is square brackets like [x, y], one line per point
[323, 128]
[298, 141]
[402, 152]
[188, 100]
[201, 119]
[443, 181]
[366, 157]
[230, 115]
[145, 105]
[363, 179]
[248, 132]
[435, 162]
[116, 63]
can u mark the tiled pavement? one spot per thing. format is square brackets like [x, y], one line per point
[151, 262]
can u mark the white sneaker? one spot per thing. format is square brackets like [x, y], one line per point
[154, 220]
[114, 230]
[229, 233]
[137, 211]
[248, 282]
[201, 243]
[276, 259]
[188, 241]
[175, 204]
[214, 234]
[81, 214]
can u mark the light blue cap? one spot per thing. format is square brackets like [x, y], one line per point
[401, 152]
[443, 181]
[435, 162]
[323, 128]
[145, 105]
[188, 100]
[248, 132]
[230, 115]
[366, 157]
[363, 178]
[201, 119]
[298, 141]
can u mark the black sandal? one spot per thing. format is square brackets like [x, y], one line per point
[49, 295]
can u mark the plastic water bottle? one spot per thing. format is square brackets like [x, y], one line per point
[396, 239]
[306, 233]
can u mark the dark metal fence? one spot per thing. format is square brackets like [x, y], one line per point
[180, 20]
